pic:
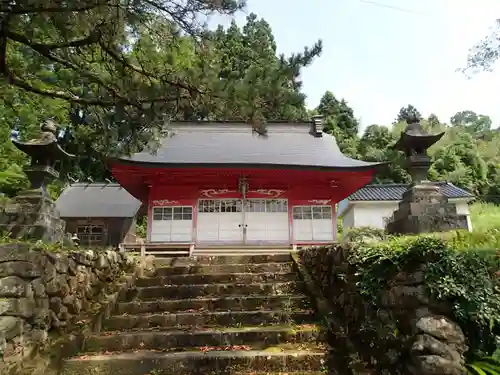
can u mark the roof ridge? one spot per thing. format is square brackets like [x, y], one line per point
[407, 184]
[95, 184]
[384, 185]
[208, 122]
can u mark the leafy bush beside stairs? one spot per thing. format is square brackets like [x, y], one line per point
[463, 270]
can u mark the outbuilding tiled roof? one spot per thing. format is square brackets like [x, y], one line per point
[97, 200]
[394, 192]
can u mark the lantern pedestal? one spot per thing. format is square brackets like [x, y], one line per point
[425, 209]
[32, 215]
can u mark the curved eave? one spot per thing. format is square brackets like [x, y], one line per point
[39, 148]
[362, 166]
[409, 139]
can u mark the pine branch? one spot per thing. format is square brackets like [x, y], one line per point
[46, 51]
[13, 80]
[19, 9]
[127, 64]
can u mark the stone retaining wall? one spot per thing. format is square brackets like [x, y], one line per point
[405, 332]
[44, 294]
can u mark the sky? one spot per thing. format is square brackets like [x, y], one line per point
[380, 59]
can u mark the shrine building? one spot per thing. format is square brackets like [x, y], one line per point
[223, 184]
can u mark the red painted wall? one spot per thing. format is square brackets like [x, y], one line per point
[186, 182]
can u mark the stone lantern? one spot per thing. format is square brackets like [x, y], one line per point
[423, 208]
[32, 213]
[415, 142]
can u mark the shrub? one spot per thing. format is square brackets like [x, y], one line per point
[467, 280]
[364, 233]
[483, 366]
[484, 216]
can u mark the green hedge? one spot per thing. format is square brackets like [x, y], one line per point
[463, 269]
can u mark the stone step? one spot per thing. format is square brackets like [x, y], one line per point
[224, 259]
[240, 252]
[196, 362]
[245, 247]
[163, 340]
[210, 290]
[281, 267]
[237, 303]
[244, 278]
[207, 319]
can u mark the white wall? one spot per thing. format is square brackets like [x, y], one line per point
[372, 214]
[369, 214]
[463, 209]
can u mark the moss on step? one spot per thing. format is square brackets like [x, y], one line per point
[213, 290]
[206, 319]
[248, 338]
[224, 268]
[303, 346]
[197, 362]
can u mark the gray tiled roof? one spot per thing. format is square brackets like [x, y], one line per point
[232, 143]
[97, 200]
[394, 192]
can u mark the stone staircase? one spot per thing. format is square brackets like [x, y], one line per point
[209, 315]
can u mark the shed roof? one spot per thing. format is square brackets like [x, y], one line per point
[394, 192]
[97, 200]
[215, 144]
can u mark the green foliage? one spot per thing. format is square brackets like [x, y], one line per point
[340, 228]
[3, 200]
[407, 112]
[12, 180]
[364, 233]
[465, 240]
[484, 366]
[114, 79]
[464, 276]
[259, 85]
[467, 156]
[86, 57]
[134, 70]
[484, 216]
[141, 227]
[340, 117]
[5, 238]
